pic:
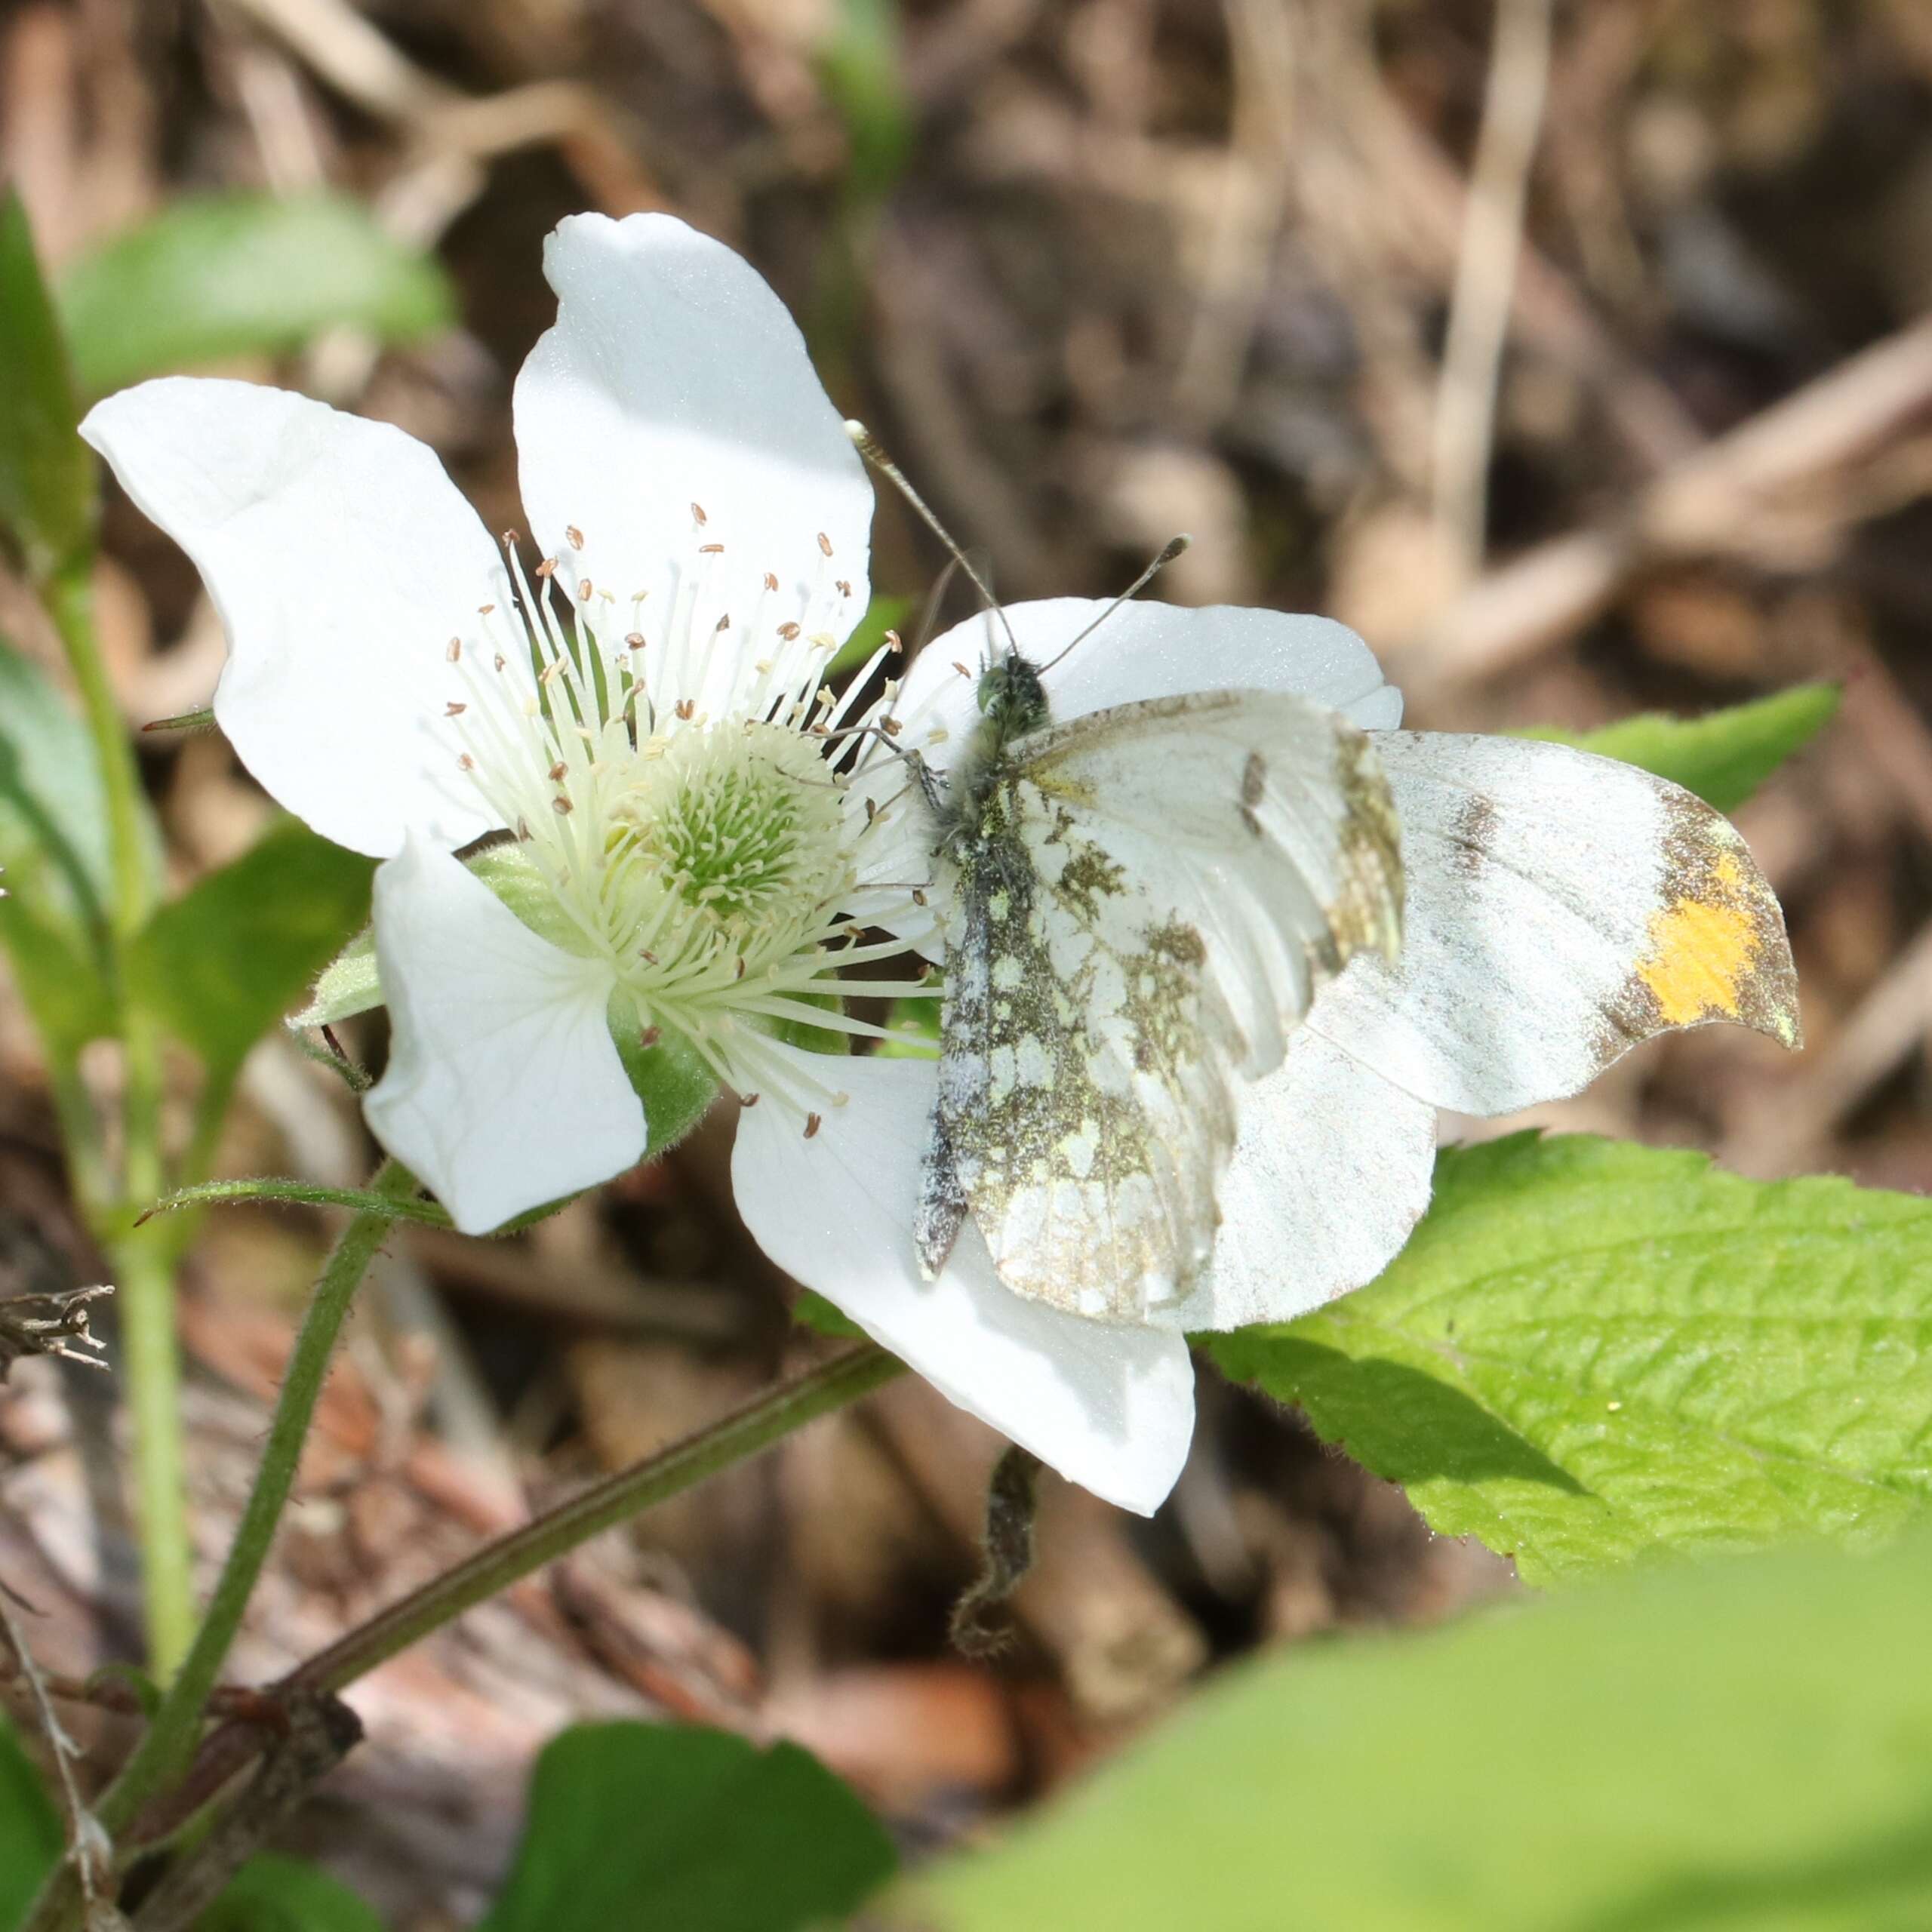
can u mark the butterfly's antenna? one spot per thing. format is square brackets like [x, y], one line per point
[1170, 551]
[867, 446]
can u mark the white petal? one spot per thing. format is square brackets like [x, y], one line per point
[1331, 1172]
[1561, 907]
[674, 377]
[342, 561]
[1112, 1408]
[503, 1089]
[1145, 649]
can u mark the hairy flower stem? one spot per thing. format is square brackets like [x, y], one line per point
[143, 1265]
[747, 1432]
[170, 1739]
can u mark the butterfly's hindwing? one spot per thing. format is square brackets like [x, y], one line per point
[1146, 899]
[1085, 1111]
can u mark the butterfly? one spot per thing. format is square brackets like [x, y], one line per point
[1146, 899]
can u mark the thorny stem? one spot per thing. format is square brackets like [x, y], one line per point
[142, 1265]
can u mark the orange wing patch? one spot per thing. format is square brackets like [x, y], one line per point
[1717, 949]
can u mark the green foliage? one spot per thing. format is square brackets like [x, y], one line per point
[811, 1310]
[234, 274]
[641, 1825]
[221, 964]
[47, 488]
[1591, 1352]
[1724, 757]
[669, 1075]
[861, 67]
[350, 983]
[54, 847]
[883, 613]
[1746, 1745]
[273, 1894]
[30, 1838]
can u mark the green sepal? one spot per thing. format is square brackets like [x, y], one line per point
[348, 985]
[668, 1076]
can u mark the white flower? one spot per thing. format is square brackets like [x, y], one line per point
[692, 867]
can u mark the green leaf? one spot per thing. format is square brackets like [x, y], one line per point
[30, 1838]
[235, 275]
[641, 1825]
[811, 1310]
[47, 486]
[275, 1894]
[862, 68]
[1591, 1352]
[53, 851]
[60, 980]
[1745, 1747]
[221, 964]
[1723, 757]
[53, 806]
[883, 613]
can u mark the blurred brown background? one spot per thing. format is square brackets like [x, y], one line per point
[1617, 396]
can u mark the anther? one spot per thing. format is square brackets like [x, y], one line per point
[711, 549]
[575, 535]
[649, 957]
[740, 973]
[844, 589]
[723, 624]
[651, 1036]
[483, 610]
[788, 632]
[891, 727]
[698, 515]
[454, 710]
[895, 643]
[509, 540]
[814, 1121]
[825, 543]
[561, 806]
[548, 568]
[919, 897]
[583, 592]
[501, 660]
[455, 650]
[771, 580]
[749, 1100]
[466, 763]
[961, 669]
[556, 771]
[686, 709]
[872, 810]
[634, 640]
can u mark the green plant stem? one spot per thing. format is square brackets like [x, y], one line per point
[70, 603]
[151, 1372]
[747, 1432]
[142, 1265]
[170, 1738]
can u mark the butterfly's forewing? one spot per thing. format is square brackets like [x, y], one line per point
[1154, 893]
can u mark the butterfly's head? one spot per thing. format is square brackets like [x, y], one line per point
[1012, 699]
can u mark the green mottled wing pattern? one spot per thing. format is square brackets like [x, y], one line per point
[1146, 903]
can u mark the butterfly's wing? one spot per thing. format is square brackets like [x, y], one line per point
[1153, 894]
